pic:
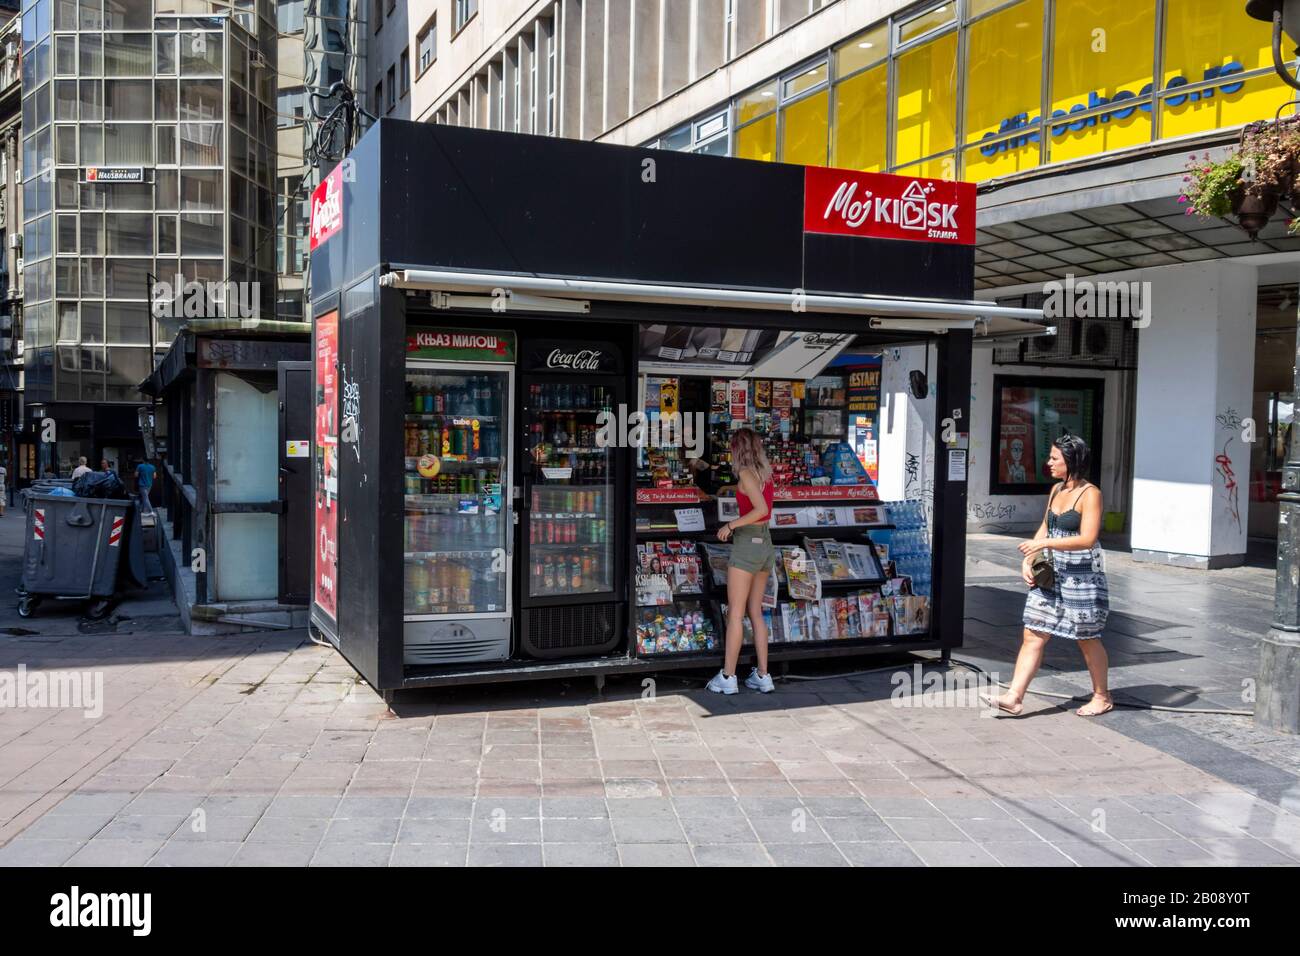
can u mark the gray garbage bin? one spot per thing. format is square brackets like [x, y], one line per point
[73, 549]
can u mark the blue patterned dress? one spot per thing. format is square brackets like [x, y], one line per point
[1078, 606]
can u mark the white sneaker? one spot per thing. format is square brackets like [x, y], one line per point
[760, 682]
[722, 684]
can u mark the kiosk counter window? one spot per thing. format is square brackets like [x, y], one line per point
[850, 568]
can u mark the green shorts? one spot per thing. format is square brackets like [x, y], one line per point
[751, 548]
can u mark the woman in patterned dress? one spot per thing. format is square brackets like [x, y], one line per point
[1077, 607]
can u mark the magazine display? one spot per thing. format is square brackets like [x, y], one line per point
[843, 561]
[828, 516]
[718, 557]
[874, 614]
[801, 578]
[675, 561]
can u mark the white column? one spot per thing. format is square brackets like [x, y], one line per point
[1194, 384]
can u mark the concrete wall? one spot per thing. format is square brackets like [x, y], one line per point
[1195, 368]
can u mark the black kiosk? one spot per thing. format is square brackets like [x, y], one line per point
[513, 337]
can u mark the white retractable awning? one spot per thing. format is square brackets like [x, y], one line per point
[882, 312]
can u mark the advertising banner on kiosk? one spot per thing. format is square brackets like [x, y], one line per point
[325, 588]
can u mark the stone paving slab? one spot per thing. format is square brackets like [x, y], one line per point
[263, 749]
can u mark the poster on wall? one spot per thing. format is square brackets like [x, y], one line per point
[1016, 438]
[325, 594]
[863, 396]
[1029, 416]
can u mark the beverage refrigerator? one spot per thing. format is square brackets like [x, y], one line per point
[574, 502]
[458, 544]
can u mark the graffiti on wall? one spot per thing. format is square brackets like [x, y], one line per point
[351, 417]
[1230, 421]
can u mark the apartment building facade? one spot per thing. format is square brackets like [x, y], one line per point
[148, 132]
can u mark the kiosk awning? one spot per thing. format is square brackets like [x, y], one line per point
[896, 314]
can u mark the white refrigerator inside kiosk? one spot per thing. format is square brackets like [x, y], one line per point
[459, 528]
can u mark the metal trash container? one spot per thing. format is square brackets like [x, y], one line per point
[73, 549]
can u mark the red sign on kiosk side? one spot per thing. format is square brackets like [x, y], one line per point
[842, 202]
[327, 207]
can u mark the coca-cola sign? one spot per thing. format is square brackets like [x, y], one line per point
[848, 203]
[327, 207]
[579, 360]
[584, 358]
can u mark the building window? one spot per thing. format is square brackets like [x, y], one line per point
[1003, 92]
[1029, 414]
[392, 88]
[552, 78]
[516, 99]
[532, 90]
[288, 14]
[426, 45]
[379, 15]
[462, 12]
[379, 95]
[406, 71]
[861, 102]
[499, 75]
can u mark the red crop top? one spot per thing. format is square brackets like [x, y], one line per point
[746, 506]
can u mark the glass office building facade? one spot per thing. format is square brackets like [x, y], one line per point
[982, 89]
[148, 149]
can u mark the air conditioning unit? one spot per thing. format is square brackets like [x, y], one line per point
[1099, 338]
[15, 240]
[1050, 349]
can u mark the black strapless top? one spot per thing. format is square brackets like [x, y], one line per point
[1068, 521]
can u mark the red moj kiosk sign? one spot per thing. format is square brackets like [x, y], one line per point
[847, 203]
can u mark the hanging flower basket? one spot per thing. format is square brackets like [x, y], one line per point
[1250, 183]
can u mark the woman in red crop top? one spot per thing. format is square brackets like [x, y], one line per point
[752, 560]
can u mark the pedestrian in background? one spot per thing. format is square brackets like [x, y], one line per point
[1075, 603]
[81, 469]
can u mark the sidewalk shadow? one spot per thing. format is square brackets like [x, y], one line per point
[833, 681]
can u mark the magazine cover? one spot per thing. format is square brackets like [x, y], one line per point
[793, 625]
[819, 621]
[911, 614]
[652, 589]
[862, 563]
[830, 557]
[763, 393]
[868, 514]
[684, 573]
[718, 556]
[769, 590]
[802, 581]
[785, 518]
[874, 614]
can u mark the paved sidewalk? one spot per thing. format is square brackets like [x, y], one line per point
[264, 749]
[1176, 637]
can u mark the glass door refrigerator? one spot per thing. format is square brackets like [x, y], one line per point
[573, 578]
[458, 544]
